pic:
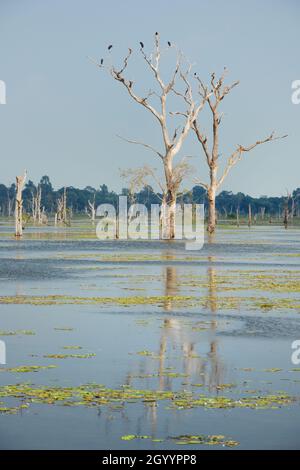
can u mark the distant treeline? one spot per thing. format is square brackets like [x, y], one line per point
[227, 203]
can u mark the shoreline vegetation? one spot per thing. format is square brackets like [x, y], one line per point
[231, 208]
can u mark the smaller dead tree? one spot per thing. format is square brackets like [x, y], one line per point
[249, 216]
[139, 178]
[91, 209]
[61, 211]
[238, 216]
[214, 94]
[20, 181]
[10, 204]
[286, 212]
[37, 211]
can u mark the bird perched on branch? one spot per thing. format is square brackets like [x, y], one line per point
[169, 44]
[141, 44]
[109, 47]
[101, 61]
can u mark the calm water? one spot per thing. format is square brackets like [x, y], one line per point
[208, 344]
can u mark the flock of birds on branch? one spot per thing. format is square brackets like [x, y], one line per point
[141, 44]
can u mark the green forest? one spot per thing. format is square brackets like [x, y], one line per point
[227, 203]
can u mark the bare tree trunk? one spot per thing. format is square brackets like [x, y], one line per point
[20, 181]
[211, 195]
[61, 212]
[237, 216]
[36, 206]
[292, 210]
[92, 210]
[286, 217]
[249, 216]
[65, 205]
[10, 203]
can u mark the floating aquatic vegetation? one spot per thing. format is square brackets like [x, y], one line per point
[96, 395]
[72, 347]
[22, 369]
[65, 299]
[214, 440]
[66, 356]
[13, 410]
[17, 332]
[273, 369]
[225, 386]
[130, 437]
[221, 302]
[144, 353]
[188, 439]
[64, 329]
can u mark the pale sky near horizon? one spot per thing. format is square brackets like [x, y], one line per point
[63, 114]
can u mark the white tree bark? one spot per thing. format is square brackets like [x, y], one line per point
[219, 91]
[91, 210]
[20, 182]
[172, 141]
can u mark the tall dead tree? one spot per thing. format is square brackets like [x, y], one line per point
[172, 140]
[20, 181]
[218, 91]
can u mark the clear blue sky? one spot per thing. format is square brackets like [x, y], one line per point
[62, 113]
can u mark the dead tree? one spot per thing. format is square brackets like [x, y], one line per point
[139, 178]
[172, 140]
[249, 215]
[61, 211]
[36, 209]
[10, 204]
[218, 92]
[286, 212]
[20, 181]
[91, 210]
[238, 216]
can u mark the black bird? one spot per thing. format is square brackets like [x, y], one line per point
[156, 33]
[101, 62]
[109, 47]
[142, 44]
[169, 44]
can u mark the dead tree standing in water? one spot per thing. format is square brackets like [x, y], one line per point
[91, 210]
[172, 140]
[20, 181]
[61, 212]
[249, 216]
[218, 92]
[37, 211]
[286, 211]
